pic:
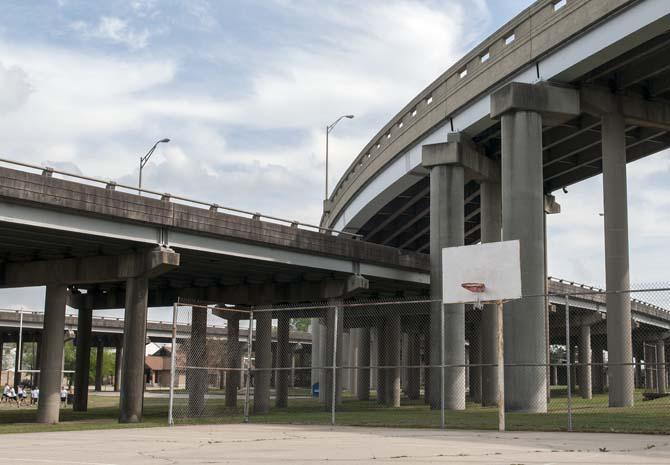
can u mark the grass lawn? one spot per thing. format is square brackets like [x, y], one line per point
[588, 415]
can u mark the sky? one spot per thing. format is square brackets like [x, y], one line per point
[244, 91]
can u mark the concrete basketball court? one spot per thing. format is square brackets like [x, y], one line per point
[281, 444]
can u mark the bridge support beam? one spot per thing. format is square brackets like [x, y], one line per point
[197, 374]
[491, 231]
[99, 359]
[363, 363]
[393, 352]
[82, 359]
[263, 351]
[585, 369]
[413, 387]
[52, 354]
[619, 336]
[134, 333]
[283, 360]
[521, 109]
[447, 181]
[233, 355]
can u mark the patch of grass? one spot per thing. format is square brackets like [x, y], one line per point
[591, 415]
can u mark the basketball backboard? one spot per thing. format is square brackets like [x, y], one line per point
[496, 264]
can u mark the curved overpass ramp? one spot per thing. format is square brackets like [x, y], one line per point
[565, 91]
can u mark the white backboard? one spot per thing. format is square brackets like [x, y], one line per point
[496, 264]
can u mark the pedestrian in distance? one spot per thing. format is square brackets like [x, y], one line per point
[63, 396]
[5, 393]
[20, 395]
[34, 395]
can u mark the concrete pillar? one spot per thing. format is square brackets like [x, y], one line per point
[554, 375]
[134, 343]
[523, 220]
[619, 338]
[331, 359]
[476, 371]
[426, 371]
[324, 348]
[393, 341]
[118, 360]
[491, 231]
[346, 350]
[446, 230]
[381, 362]
[661, 368]
[363, 364]
[196, 378]
[263, 351]
[413, 387]
[38, 355]
[99, 358]
[354, 340]
[52, 353]
[585, 369]
[597, 370]
[233, 358]
[283, 360]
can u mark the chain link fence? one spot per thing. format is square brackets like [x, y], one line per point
[418, 363]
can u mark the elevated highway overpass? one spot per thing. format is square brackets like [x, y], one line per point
[563, 92]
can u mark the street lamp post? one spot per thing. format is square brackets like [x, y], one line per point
[145, 159]
[328, 129]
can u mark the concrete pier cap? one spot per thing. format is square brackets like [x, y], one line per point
[556, 103]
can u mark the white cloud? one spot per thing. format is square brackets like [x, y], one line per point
[115, 30]
[15, 88]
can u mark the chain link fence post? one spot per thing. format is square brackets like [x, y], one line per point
[442, 345]
[247, 384]
[173, 359]
[334, 380]
[567, 359]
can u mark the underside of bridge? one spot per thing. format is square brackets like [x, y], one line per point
[572, 150]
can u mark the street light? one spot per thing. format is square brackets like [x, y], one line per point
[328, 129]
[145, 159]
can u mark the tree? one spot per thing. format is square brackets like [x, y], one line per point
[301, 324]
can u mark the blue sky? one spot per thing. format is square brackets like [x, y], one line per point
[244, 90]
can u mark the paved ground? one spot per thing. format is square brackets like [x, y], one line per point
[264, 444]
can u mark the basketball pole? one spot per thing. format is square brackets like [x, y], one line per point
[501, 368]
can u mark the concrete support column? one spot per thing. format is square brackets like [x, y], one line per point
[283, 360]
[82, 359]
[263, 351]
[381, 361]
[196, 377]
[598, 370]
[426, 371]
[99, 358]
[661, 368]
[323, 350]
[134, 343]
[491, 231]
[523, 220]
[585, 369]
[38, 354]
[619, 338]
[363, 364]
[476, 371]
[330, 358]
[393, 351]
[233, 359]
[413, 388]
[52, 353]
[118, 361]
[446, 230]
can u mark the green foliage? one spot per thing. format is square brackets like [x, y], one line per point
[301, 324]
